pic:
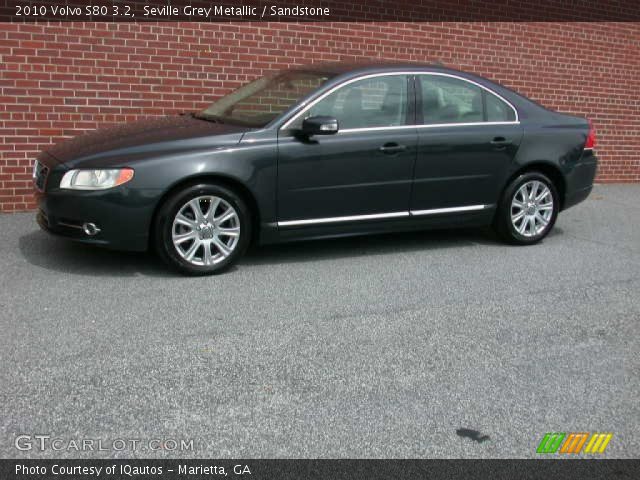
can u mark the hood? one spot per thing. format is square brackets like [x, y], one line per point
[141, 137]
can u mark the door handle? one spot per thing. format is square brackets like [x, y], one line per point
[392, 148]
[500, 142]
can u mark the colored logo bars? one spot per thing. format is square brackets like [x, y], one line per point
[573, 442]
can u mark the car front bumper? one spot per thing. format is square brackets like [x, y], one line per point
[122, 215]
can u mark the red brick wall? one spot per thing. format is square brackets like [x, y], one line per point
[61, 79]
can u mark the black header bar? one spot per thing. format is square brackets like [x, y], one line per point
[319, 10]
[583, 469]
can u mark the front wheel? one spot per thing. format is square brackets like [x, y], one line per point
[528, 209]
[202, 229]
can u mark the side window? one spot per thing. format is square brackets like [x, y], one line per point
[451, 100]
[372, 102]
[497, 110]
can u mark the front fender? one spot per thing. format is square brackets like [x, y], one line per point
[252, 163]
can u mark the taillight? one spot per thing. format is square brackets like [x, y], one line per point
[591, 137]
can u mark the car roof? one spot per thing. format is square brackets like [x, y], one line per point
[364, 67]
[346, 70]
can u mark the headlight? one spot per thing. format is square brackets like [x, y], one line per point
[95, 179]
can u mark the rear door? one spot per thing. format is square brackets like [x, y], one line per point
[467, 137]
[365, 171]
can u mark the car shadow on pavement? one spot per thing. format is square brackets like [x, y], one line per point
[61, 255]
[367, 245]
[65, 256]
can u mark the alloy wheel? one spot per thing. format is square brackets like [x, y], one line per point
[531, 208]
[206, 230]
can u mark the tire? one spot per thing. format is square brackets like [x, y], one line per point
[182, 236]
[520, 230]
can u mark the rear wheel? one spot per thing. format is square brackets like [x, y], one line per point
[202, 229]
[528, 209]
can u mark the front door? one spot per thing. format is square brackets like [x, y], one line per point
[363, 172]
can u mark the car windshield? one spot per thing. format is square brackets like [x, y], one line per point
[261, 101]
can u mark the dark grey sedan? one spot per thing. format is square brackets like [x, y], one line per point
[320, 151]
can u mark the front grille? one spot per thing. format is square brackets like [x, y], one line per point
[40, 174]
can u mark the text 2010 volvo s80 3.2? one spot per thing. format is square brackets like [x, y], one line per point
[320, 151]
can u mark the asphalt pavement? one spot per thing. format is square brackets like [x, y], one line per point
[427, 344]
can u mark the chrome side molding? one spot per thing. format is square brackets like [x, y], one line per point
[381, 216]
[350, 218]
[435, 211]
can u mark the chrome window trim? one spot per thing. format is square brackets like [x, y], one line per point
[305, 108]
[379, 216]
[433, 125]
[469, 124]
[375, 129]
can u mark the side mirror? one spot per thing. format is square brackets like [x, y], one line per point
[319, 125]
